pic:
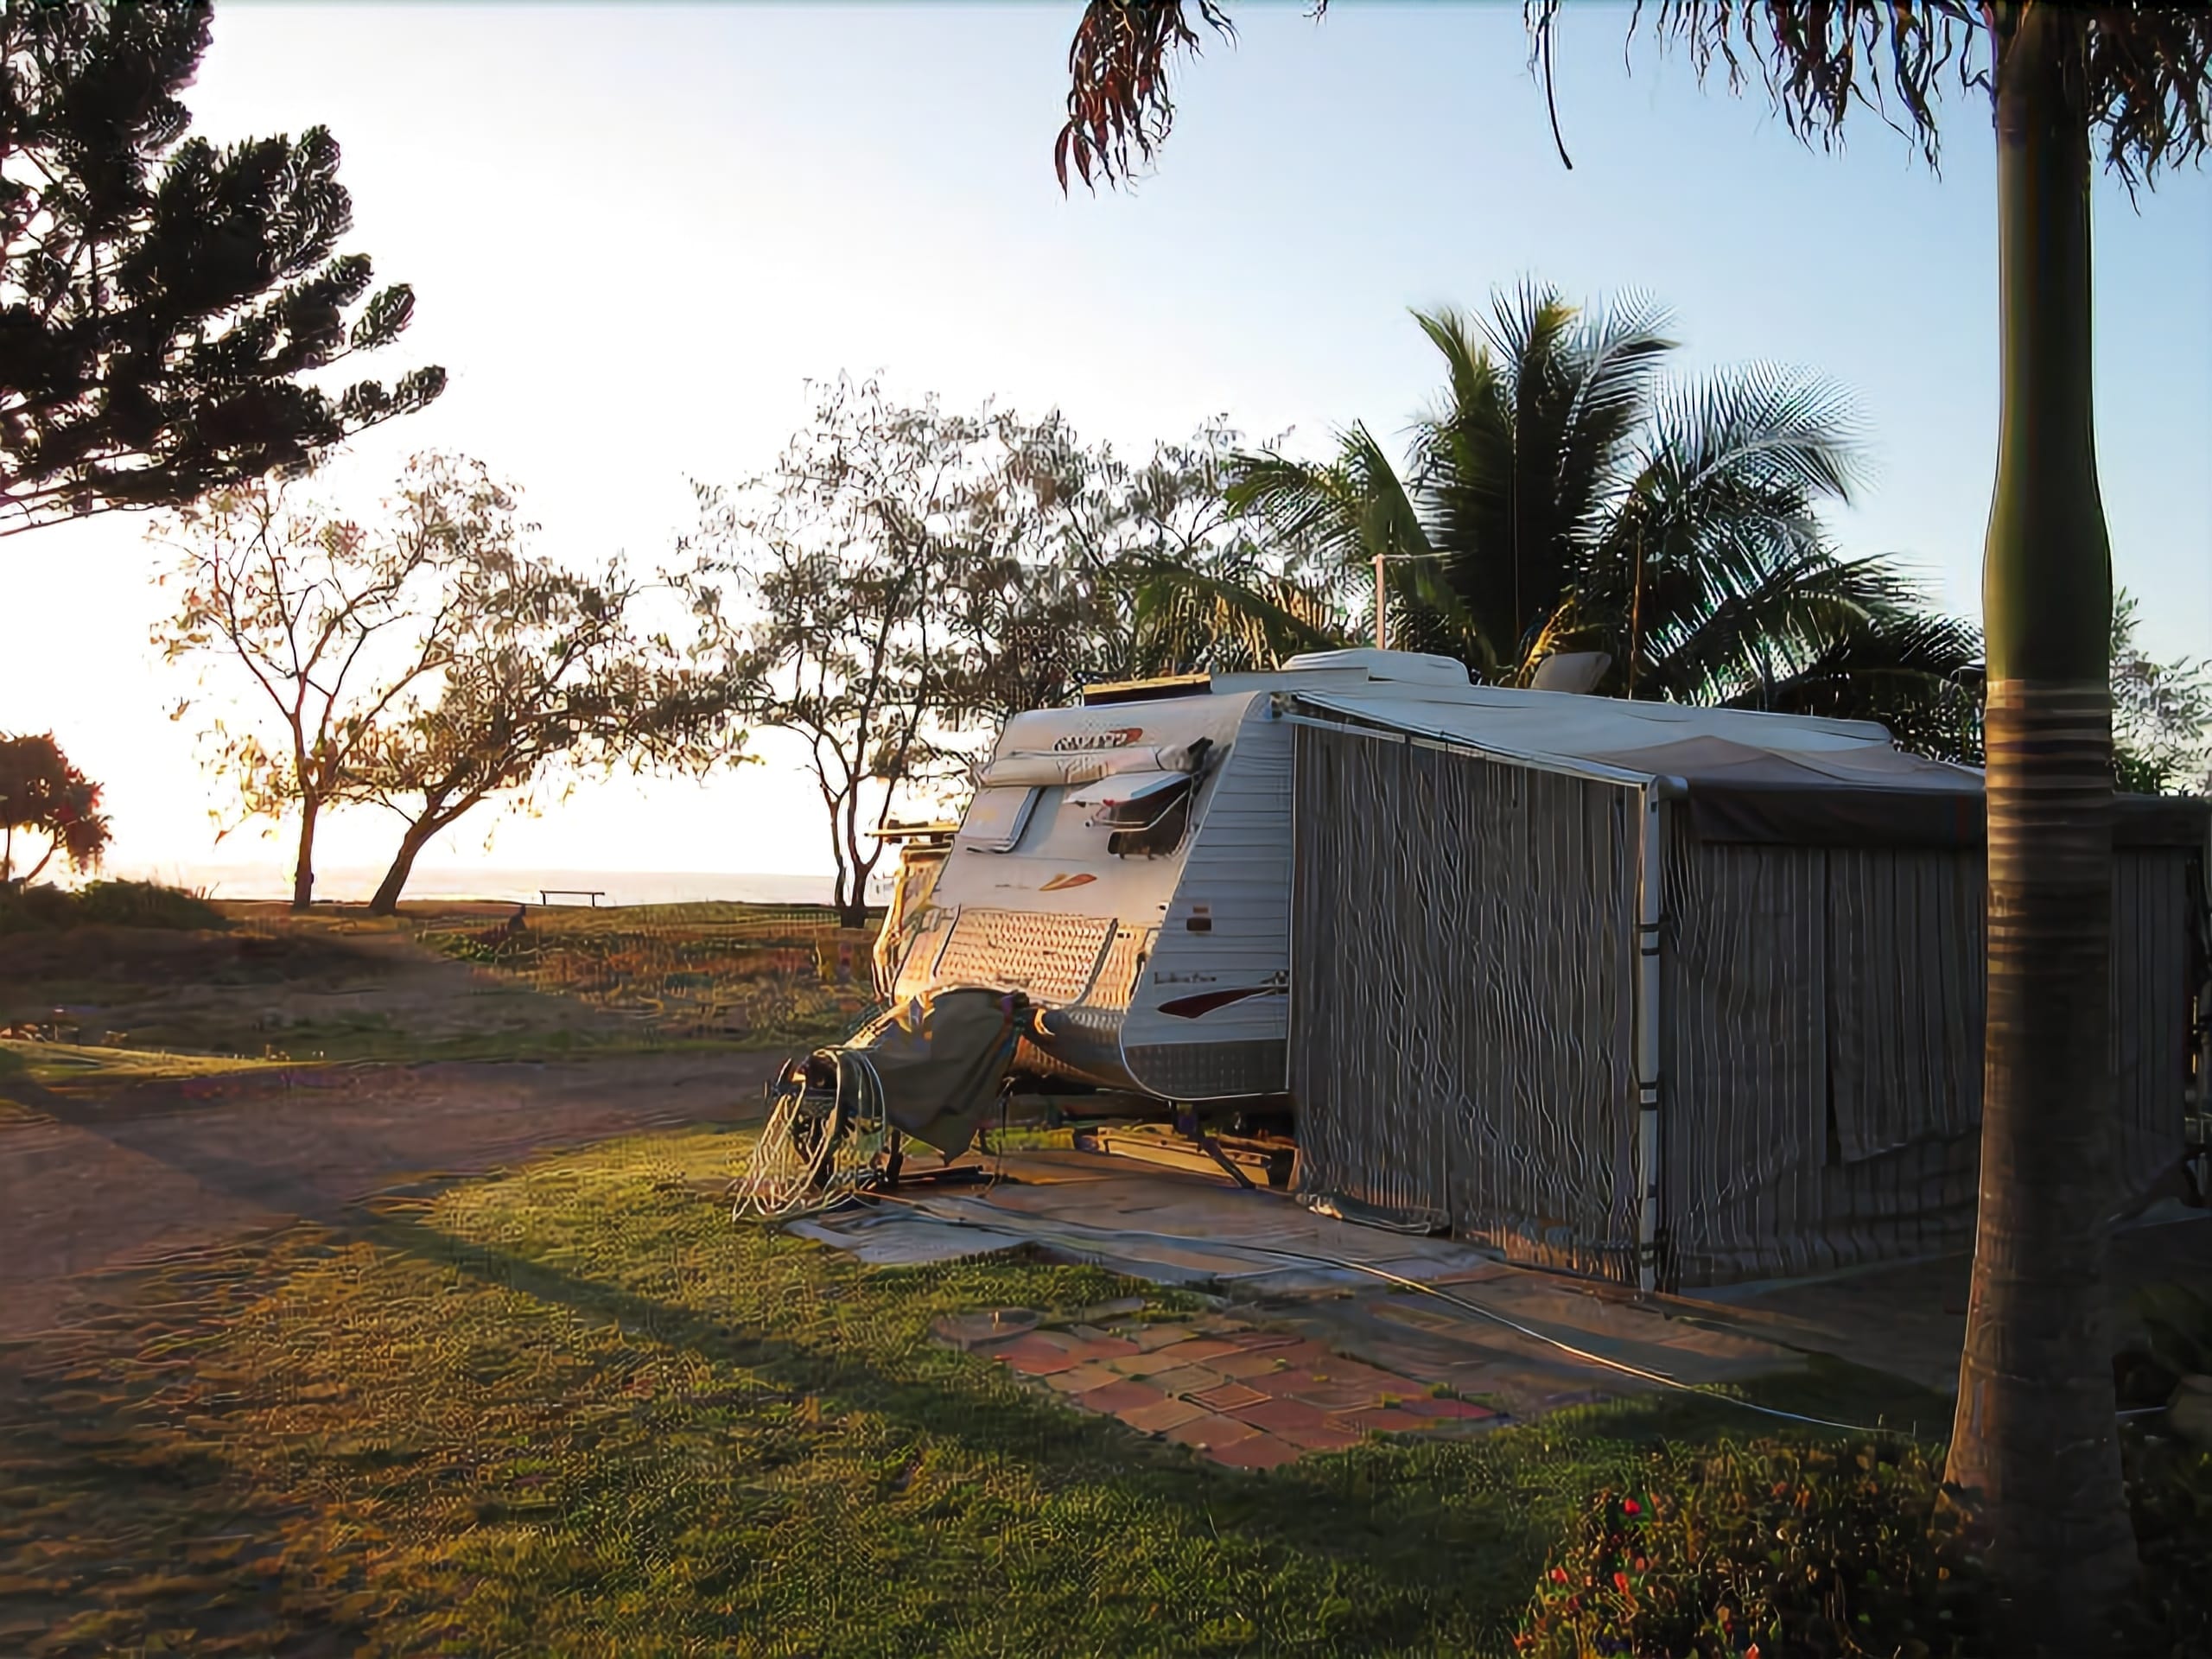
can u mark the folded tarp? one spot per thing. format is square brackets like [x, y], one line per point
[937, 1064]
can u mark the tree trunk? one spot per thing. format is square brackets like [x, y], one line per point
[2033, 1446]
[303, 865]
[848, 895]
[418, 834]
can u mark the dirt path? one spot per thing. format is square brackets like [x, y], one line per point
[90, 1184]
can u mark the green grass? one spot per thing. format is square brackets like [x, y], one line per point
[575, 1410]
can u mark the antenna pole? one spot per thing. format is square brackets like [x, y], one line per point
[1381, 616]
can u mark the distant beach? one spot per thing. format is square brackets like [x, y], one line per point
[273, 881]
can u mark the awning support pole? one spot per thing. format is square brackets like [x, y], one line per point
[1650, 910]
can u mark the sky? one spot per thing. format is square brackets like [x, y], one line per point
[635, 233]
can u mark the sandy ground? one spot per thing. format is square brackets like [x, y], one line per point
[92, 1184]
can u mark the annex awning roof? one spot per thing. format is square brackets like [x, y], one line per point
[1749, 777]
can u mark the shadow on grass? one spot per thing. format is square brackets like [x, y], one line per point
[527, 1427]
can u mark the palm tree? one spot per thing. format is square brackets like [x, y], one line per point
[2034, 1455]
[1237, 612]
[1565, 497]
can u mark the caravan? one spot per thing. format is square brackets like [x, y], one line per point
[1125, 863]
[1672, 995]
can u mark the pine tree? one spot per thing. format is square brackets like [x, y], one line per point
[165, 305]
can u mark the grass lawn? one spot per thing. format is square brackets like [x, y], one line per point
[761, 974]
[574, 1410]
[94, 1005]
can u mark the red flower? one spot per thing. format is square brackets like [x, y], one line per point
[1620, 1582]
[1629, 1506]
[1558, 1575]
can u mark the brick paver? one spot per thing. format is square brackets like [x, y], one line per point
[1159, 1418]
[1212, 1431]
[1114, 1398]
[1240, 1397]
[1260, 1451]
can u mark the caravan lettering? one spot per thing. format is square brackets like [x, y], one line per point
[1120, 738]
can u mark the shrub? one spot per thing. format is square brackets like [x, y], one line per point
[2169, 1495]
[145, 904]
[112, 904]
[1764, 1549]
[2170, 1478]
[36, 910]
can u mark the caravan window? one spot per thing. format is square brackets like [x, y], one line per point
[996, 818]
[1144, 812]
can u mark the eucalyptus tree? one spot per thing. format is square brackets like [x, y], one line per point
[1121, 569]
[551, 674]
[329, 620]
[1564, 496]
[906, 576]
[2162, 715]
[2034, 1454]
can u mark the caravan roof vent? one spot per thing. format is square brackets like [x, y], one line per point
[1405, 667]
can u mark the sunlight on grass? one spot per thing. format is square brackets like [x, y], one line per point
[763, 974]
[59, 1063]
[576, 1409]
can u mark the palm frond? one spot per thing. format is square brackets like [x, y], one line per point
[2146, 71]
[1762, 425]
[1314, 503]
[1185, 618]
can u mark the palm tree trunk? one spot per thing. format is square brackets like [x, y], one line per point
[303, 865]
[2033, 1446]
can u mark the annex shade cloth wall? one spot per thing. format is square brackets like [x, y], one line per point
[1463, 968]
[1462, 1018]
[1822, 1041]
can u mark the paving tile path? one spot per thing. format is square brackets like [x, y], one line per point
[1240, 1395]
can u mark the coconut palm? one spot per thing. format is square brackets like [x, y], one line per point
[2034, 1457]
[1565, 496]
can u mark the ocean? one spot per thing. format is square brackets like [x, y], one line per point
[273, 881]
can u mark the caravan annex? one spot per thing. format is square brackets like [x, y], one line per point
[1671, 995]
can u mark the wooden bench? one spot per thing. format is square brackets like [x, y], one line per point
[545, 895]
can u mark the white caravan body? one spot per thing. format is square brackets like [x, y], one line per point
[1130, 952]
[1160, 950]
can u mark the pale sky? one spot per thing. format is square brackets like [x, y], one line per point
[634, 232]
